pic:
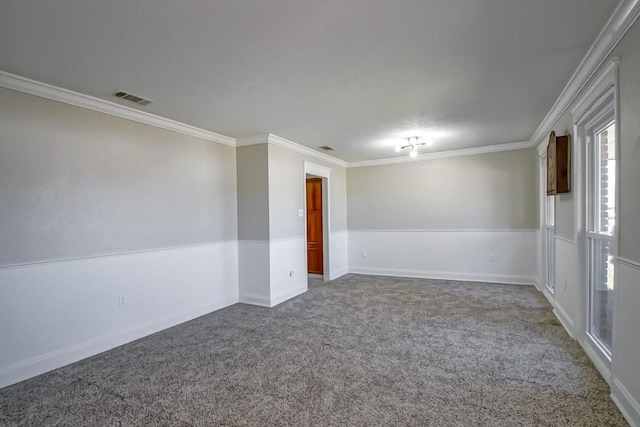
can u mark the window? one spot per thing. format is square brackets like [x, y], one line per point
[601, 219]
[550, 244]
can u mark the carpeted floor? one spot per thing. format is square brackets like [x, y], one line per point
[361, 350]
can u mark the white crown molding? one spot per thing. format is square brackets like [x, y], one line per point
[270, 138]
[293, 146]
[44, 90]
[606, 79]
[619, 23]
[252, 140]
[443, 154]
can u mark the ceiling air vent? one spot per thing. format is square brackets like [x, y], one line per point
[327, 148]
[131, 97]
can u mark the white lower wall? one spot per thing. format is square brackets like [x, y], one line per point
[446, 254]
[338, 254]
[568, 298]
[253, 271]
[625, 385]
[56, 313]
[287, 259]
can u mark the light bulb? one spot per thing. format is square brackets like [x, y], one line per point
[413, 153]
[398, 148]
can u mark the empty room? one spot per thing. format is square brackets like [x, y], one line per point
[284, 212]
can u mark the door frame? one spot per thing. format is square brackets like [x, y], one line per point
[313, 170]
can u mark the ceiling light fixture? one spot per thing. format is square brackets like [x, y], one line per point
[413, 144]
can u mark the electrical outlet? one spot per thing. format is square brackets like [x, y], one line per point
[290, 273]
[492, 258]
[300, 213]
[121, 301]
[364, 254]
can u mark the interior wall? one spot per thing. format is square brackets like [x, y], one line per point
[570, 297]
[253, 192]
[287, 227]
[486, 191]
[78, 183]
[626, 335]
[253, 224]
[110, 230]
[458, 218]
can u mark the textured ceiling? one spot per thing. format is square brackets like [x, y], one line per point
[358, 75]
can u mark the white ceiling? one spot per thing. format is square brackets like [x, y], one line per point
[360, 75]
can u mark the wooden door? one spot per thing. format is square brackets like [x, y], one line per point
[314, 226]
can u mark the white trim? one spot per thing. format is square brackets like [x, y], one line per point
[603, 82]
[442, 154]
[621, 20]
[317, 170]
[596, 355]
[284, 239]
[564, 239]
[293, 146]
[108, 255]
[449, 230]
[254, 299]
[565, 319]
[270, 138]
[252, 140]
[40, 364]
[281, 297]
[339, 273]
[623, 399]
[44, 90]
[445, 275]
[628, 262]
[323, 172]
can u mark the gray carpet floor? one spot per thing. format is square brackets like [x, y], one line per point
[361, 350]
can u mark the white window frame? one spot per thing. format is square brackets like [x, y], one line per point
[597, 106]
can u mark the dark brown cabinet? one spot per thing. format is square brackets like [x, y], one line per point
[558, 164]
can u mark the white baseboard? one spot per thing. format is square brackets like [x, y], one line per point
[339, 273]
[564, 318]
[444, 275]
[629, 407]
[286, 295]
[596, 357]
[44, 363]
[255, 299]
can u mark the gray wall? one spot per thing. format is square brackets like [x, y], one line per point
[488, 191]
[76, 183]
[565, 203]
[286, 193]
[253, 192]
[629, 91]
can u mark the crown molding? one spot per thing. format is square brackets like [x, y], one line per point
[616, 27]
[252, 140]
[44, 90]
[443, 154]
[293, 146]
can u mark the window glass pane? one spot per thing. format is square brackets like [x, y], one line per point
[602, 292]
[605, 202]
[551, 259]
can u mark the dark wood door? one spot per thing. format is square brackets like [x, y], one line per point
[314, 226]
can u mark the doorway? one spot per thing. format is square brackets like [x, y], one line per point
[315, 241]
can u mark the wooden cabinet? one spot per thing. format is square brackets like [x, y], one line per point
[558, 164]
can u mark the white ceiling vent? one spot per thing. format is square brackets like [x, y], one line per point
[327, 148]
[131, 97]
